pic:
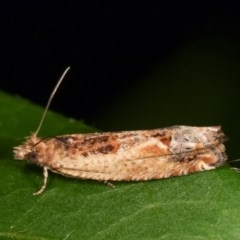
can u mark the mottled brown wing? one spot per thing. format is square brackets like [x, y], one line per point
[139, 155]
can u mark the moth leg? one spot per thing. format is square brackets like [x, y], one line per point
[236, 169]
[108, 183]
[45, 176]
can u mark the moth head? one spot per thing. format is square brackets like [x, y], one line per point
[29, 149]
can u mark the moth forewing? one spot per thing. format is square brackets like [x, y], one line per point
[127, 156]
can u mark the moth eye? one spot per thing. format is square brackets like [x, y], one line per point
[32, 156]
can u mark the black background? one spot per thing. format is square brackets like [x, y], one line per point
[116, 50]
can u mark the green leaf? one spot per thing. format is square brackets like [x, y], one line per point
[198, 206]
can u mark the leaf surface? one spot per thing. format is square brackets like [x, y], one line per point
[198, 206]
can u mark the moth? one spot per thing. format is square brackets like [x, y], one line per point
[125, 156]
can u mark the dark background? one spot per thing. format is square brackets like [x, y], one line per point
[134, 64]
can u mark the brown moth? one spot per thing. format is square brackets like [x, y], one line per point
[125, 156]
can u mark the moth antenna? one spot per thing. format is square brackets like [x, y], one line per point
[50, 100]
